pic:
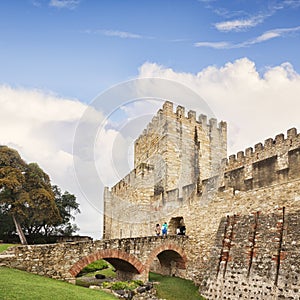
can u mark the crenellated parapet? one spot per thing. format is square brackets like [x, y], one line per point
[181, 144]
[141, 173]
[275, 161]
[270, 148]
[178, 114]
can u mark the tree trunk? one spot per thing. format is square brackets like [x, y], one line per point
[20, 231]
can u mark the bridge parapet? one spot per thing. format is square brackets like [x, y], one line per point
[132, 257]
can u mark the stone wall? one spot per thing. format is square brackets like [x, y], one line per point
[277, 161]
[241, 241]
[126, 200]
[255, 257]
[132, 258]
[241, 215]
[174, 152]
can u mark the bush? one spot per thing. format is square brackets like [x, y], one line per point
[94, 266]
[106, 285]
[138, 282]
[119, 285]
[124, 285]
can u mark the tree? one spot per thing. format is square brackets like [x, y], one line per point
[13, 198]
[67, 206]
[42, 213]
[27, 196]
[7, 226]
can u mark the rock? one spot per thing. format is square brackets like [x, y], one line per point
[100, 276]
[148, 295]
[124, 294]
[94, 287]
[120, 292]
[141, 289]
[129, 295]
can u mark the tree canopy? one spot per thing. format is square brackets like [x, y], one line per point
[28, 198]
[67, 206]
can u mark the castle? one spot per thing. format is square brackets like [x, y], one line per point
[241, 214]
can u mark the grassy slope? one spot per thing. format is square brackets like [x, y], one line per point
[107, 272]
[15, 284]
[99, 267]
[3, 247]
[174, 288]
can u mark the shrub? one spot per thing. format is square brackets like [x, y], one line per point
[124, 285]
[138, 282]
[94, 266]
[106, 285]
[120, 285]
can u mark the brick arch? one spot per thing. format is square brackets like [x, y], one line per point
[167, 247]
[106, 254]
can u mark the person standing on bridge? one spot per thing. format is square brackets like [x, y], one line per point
[157, 230]
[164, 229]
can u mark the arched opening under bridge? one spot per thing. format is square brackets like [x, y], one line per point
[127, 266]
[168, 260]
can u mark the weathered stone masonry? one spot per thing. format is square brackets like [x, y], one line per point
[241, 213]
[173, 152]
[132, 257]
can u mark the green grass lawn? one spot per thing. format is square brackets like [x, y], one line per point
[19, 285]
[107, 272]
[174, 288]
[98, 267]
[3, 247]
[91, 270]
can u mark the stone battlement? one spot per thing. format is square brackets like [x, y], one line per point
[179, 114]
[176, 142]
[270, 148]
[275, 162]
[241, 213]
[141, 172]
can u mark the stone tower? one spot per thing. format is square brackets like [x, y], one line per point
[174, 151]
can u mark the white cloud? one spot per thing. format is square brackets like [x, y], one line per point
[271, 34]
[120, 34]
[215, 45]
[36, 3]
[255, 106]
[291, 3]
[69, 4]
[41, 127]
[239, 24]
[268, 35]
[264, 37]
[242, 21]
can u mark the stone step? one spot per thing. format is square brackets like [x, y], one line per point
[4, 256]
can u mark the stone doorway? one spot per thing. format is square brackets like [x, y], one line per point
[175, 224]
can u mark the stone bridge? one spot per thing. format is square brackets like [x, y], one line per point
[131, 257]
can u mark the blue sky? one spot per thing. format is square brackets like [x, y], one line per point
[78, 48]
[56, 56]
